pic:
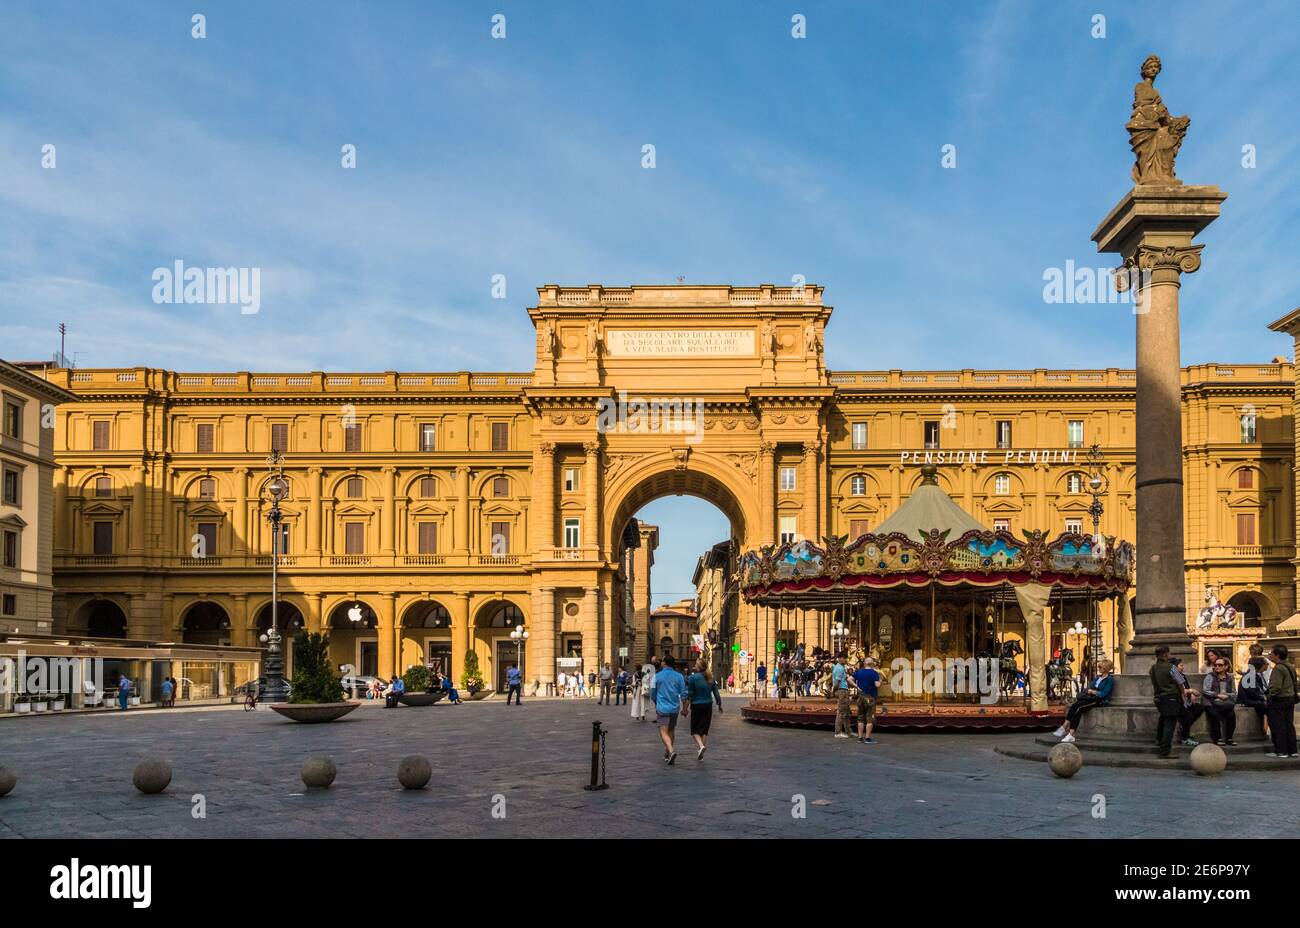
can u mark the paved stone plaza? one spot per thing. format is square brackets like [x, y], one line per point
[75, 780]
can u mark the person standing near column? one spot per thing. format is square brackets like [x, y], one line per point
[1281, 704]
[1168, 700]
[606, 684]
[840, 690]
[514, 685]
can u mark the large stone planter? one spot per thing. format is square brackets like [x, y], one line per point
[481, 694]
[421, 699]
[310, 713]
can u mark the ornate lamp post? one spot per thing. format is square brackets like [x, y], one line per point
[1097, 485]
[276, 489]
[520, 635]
[839, 631]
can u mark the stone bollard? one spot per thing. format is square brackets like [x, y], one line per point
[414, 772]
[1065, 760]
[1209, 760]
[318, 772]
[152, 776]
[8, 780]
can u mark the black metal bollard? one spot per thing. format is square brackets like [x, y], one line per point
[597, 758]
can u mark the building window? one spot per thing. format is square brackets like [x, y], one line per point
[1245, 479]
[14, 420]
[10, 604]
[1248, 428]
[428, 488]
[103, 537]
[1002, 484]
[208, 532]
[572, 533]
[280, 437]
[1004, 433]
[787, 479]
[1001, 525]
[859, 436]
[207, 488]
[103, 486]
[1074, 526]
[500, 487]
[428, 537]
[1074, 483]
[354, 538]
[1075, 433]
[11, 487]
[787, 529]
[932, 435]
[203, 438]
[857, 528]
[11, 549]
[99, 435]
[500, 436]
[570, 480]
[352, 437]
[500, 538]
[858, 485]
[1245, 528]
[355, 488]
[428, 437]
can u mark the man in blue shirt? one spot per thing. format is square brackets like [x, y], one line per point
[840, 690]
[669, 697]
[867, 678]
[514, 685]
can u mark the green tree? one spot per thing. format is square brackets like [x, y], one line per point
[471, 675]
[314, 679]
[416, 678]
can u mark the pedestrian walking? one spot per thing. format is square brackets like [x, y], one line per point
[1168, 700]
[702, 690]
[840, 690]
[1220, 696]
[514, 685]
[606, 684]
[123, 692]
[669, 695]
[1281, 704]
[580, 688]
[642, 695]
[867, 678]
[621, 683]
[762, 680]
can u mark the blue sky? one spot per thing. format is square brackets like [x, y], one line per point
[521, 157]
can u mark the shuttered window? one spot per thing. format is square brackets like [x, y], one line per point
[428, 538]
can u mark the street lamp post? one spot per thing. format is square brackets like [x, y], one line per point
[276, 489]
[1098, 483]
[520, 635]
[838, 632]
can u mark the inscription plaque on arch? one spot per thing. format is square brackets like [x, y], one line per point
[680, 343]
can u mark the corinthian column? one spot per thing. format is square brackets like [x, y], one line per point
[1152, 229]
[591, 531]
[811, 454]
[767, 492]
[544, 498]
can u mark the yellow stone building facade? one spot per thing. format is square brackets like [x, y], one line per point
[430, 513]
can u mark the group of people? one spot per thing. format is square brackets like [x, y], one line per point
[605, 685]
[674, 696]
[866, 681]
[1267, 686]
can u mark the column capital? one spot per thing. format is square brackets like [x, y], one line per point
[591, 448]
[767, 448]
[547, 448]
[812, 448]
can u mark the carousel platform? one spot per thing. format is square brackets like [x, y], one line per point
[907, 716]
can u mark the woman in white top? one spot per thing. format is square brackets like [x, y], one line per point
[642, 694]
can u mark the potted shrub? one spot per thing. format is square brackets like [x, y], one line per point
[135, 696]
[57, 702]
[418, 681]
[471, 678]
[316, 691]
[40, 702]
[22, 703]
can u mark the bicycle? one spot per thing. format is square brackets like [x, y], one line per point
[250, 699]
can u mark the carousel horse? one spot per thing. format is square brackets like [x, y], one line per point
[1009, 671]
[1061, 681]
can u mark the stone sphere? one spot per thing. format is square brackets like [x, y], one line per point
[1209, 760]
[152, 776]
[1065, 760]
[414, 772]
[8, 780]
[318, 772]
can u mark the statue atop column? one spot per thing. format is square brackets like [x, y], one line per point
[1154, 135]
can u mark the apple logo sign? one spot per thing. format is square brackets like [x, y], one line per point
[355, 612]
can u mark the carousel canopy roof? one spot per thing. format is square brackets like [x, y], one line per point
[929, 507]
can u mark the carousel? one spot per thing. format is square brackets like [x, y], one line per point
[958, 618]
